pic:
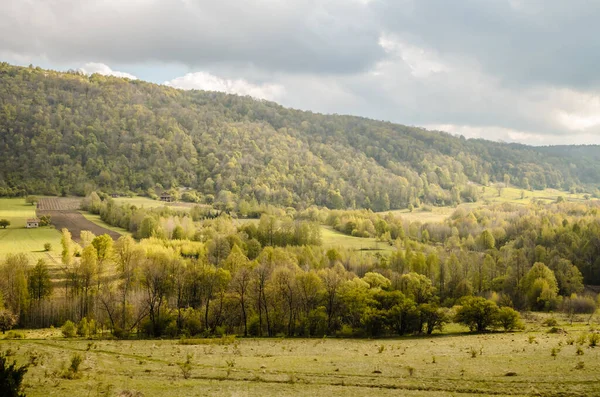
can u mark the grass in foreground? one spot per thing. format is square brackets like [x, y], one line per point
[520, 363]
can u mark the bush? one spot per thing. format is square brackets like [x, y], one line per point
[509, 319]
[476, 313]
[7, 320]
[83, 328]
[69, 330]
[186, 367]
[73, 371]
[11, 378]
[47, 247]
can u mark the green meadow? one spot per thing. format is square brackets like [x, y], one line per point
[18, 239]
[333, 239]
[96, 219]
[488, 196]
[540, 361]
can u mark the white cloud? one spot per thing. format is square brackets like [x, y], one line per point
[422, 63]
[511, 135]
[209, 82]
[577, 111]
[100, 68]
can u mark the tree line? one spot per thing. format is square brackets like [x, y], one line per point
[258, 278]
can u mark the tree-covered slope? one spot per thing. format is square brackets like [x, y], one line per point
[68, 133]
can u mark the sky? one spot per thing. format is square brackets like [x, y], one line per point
[506, 70]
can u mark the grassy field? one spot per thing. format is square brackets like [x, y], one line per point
[489, 196]
[139, 202]
[457, 363]
[96, 219]
[16, 238]
[150, 203]
[333, 239]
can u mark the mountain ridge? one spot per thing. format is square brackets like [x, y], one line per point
[70, 133]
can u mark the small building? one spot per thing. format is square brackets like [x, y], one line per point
[166, 197]
[32, 223]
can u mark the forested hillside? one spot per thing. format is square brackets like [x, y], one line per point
[68, 133]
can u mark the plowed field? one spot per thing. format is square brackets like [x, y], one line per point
[63, 214]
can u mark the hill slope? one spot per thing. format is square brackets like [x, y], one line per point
[68, 133]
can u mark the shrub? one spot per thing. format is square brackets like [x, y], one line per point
[509, 319]
[186, 367]
[11, 378]
[476, 313]
[83, 328]
[7, 320]
[47, 247]
[550, 322]
[594, 338]
[73, 371]
[68, 329]
[15, 335]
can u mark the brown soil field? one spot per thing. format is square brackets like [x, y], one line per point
[75, 223]
[59, 204]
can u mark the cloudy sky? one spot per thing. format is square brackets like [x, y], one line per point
[512, 70]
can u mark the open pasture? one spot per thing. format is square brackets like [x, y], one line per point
[147, 202]
[99, 222]
[488, 196]
[18, 239]
[531, 362]
[333, 239]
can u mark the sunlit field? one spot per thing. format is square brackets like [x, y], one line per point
[540, 360]
[16, 238]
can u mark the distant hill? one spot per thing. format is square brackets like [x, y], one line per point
[68, 133]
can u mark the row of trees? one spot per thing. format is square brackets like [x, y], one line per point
[152, 290]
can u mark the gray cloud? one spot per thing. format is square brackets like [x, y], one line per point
[521, 41]
[330, 36]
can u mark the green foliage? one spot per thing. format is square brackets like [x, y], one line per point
[540, 287]
[479, 314]
[69, 330]
[11, 377]
[4, 223]
[72, 371]
[508, 318]
[40, 284]
[7, 320]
